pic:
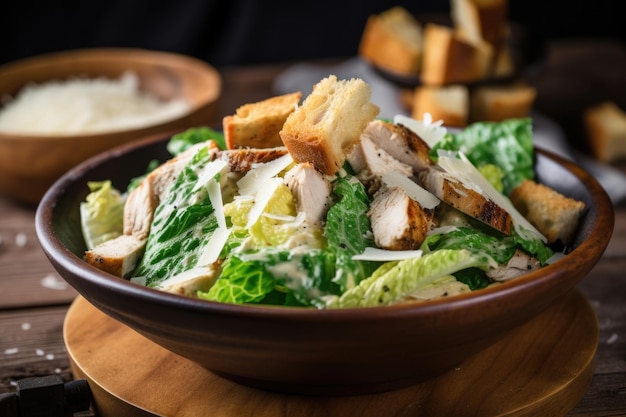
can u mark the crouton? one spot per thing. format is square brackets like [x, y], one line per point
[328, 124]
[447, 103]
[500, 102]
[480, 19]
[553, 214]
[451, 59]
[393, 40]
[256, 125]
[606, 129]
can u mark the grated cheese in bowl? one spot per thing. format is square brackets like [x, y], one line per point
[85, 106]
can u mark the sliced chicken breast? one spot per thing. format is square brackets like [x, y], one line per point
[311, 191]
[398, 222]
[117, 256]
[521, 263]
[400, 142]
[371, 162]
[465, 199]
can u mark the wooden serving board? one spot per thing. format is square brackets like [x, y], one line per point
[543, 368]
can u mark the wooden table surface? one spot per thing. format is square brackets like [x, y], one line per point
[34, 299]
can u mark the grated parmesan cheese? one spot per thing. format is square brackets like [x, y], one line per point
[85, 106]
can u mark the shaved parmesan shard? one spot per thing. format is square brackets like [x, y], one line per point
[423, 197]
[255, 179]
[211, 253]
[215, 195]
[209, 172]
[188, 275]
[463, 170]
[262, 197]
[430, 132]
[383, 255]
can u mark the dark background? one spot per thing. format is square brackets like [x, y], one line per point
[243, 32]
[253, 32]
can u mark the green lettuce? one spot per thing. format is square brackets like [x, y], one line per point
[182, 227]
[185, 140]
[102, 213]
[405, 277]
[507, 145]
[348, 232]
[245, 280]
[303, 278]
[498, 248]
[535, 247]
[274, 276]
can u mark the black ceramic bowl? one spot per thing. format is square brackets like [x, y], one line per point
[351, 351]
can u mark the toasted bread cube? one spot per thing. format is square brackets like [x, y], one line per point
[256, 125]
[553, 214]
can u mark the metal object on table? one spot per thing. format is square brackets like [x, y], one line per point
[46, 396]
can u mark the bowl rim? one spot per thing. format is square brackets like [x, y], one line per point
[118, 54]
[57, 252]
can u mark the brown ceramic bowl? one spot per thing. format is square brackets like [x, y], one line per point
[29, 164]
[329, 352]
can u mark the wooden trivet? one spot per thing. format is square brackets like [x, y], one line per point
[542, 368]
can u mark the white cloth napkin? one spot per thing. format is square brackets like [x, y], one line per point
[386, 94]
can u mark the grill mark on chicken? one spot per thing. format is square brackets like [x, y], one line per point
[400, 142]
[370, 161]
[398, 222]
[242, 160]
[466, 200]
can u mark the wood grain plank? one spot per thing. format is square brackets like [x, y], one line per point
[26, 276]
[32, 345]
[534, 371]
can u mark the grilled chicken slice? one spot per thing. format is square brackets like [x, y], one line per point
[466, 200]
[400, 142]
[242, 160]
[311, 191]
[371, 162]
[117, 256]
[398, 222]
[521, 263]
[369, 156]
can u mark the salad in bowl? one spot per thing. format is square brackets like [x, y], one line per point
[408, 211]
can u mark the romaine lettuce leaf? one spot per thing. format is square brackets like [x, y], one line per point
[245, 279]
[507, 144]
[535, 247]
[500, 249]
[102, 213]
[474, 278]
[348, 231]
[182, 227]
[407, 276]
[277, 276]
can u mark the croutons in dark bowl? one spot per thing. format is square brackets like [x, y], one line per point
[317, 351]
